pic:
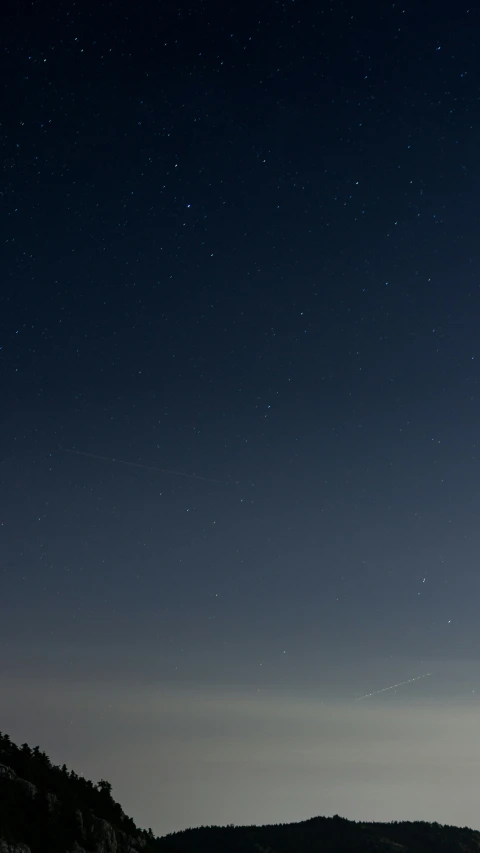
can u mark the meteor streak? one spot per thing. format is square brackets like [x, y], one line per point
[392, 686]
[139, 465]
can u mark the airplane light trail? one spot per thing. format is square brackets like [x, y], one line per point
[139, 465]
[393, 686]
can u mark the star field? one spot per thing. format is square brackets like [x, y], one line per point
[239, 362]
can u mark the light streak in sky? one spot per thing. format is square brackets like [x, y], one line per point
[139, 465]
[393, 686]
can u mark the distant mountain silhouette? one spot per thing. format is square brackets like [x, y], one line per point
[49, 809]
[324, 835]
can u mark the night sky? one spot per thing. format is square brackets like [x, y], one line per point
[240, 242]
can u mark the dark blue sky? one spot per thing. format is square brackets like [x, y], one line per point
[241, 242]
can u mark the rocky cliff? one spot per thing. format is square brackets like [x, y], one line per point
[47, 809]
[88, 833]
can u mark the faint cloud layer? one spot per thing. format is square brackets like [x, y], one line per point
[179, 757]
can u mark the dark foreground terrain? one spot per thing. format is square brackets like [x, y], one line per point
[49, 809]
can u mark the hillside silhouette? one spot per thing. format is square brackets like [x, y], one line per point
[45, 808]
[325, 835]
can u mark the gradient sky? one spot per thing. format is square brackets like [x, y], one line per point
[241, 242]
